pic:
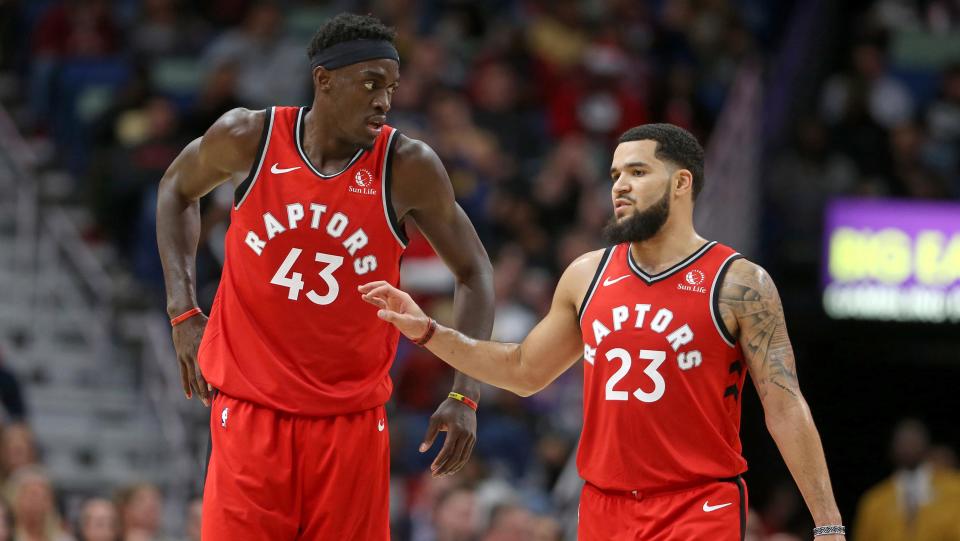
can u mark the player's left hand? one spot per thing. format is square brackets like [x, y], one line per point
[459, 421]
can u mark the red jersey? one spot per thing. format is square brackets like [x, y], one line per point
[662, 376]
[288, 329]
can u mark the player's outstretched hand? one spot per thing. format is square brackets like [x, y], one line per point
[396, 307]
[186, 340]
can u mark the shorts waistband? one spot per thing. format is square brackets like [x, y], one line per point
[665, 491]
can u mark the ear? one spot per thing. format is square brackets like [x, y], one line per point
[322, 79]
[682, 182]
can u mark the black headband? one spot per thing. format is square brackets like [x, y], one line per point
[351, 52]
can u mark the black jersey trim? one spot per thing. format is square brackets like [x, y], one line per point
[386, 187]
[298, 131]
[601, 268]
[715, 300]
[243, 190]
[738, 480]
[651, 278]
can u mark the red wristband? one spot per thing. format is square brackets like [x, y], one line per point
[185, 316]
[457, 396]
[431, 328]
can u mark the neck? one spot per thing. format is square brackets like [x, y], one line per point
[674, 242]
[328, 152]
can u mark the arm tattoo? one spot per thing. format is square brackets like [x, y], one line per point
[749, 295]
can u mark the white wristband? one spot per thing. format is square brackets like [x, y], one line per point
[832, 529]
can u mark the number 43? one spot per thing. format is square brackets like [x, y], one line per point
[295, 282]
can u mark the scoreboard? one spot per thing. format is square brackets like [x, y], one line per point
[891, 259]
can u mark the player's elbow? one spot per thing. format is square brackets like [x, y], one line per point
[529, 384]
[525, 390]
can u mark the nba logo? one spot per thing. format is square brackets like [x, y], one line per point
[223, 417]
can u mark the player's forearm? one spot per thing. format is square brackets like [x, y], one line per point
[178, 232]
[473, 306]
[495, 363]
[797, 438]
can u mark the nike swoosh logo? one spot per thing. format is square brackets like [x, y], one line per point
[380, 427]
[277, 171]
[707, 508]
[609, 282]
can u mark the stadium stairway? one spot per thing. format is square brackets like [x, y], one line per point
[94, 359]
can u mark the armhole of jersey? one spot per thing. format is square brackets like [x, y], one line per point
[601, 268]
[715, 300]
[243, 190]
[388, 211]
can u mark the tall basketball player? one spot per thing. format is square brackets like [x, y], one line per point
[300, 448]
[665, 322]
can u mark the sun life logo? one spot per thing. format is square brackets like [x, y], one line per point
[364, 180]
[694, 277]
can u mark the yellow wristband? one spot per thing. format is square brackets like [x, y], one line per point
[468, 401]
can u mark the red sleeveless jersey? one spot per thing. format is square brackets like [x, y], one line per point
[288, 329]
[662, 376]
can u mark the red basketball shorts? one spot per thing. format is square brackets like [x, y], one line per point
[711, 512]
[280, 477]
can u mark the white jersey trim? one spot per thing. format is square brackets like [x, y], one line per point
[714, 299]
[263, 156]
[601, 270]
[385, 186]
[651, 278]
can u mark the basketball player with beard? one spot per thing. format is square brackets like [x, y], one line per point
[665, 322]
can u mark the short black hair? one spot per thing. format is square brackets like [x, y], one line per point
[348, 27]
[675, 145]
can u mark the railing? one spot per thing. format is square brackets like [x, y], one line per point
[47, 238]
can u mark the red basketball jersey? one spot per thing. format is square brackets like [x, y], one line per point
[288, 329]
[662, 377]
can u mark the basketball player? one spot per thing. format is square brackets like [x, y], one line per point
[300, 448]
[665, 322]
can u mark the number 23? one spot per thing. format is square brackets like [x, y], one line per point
[656, 358]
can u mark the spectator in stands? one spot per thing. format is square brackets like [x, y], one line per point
[915, 177]
[141, 508]
[67, 30]
[17, 448]
[167, 28]
[509, 522]
[271, 69]
[889, 101]
[916, 503]
[98, 521]
[454, 518]
[546, 529]
[34, 506]
[802, 178]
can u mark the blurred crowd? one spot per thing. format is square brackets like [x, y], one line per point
[32, 510]
[522, 100]
[887, 124]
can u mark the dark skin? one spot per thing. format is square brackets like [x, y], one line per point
[349, 104]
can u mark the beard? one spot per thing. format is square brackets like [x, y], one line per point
[642, 225]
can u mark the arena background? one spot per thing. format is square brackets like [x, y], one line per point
[803, 106]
